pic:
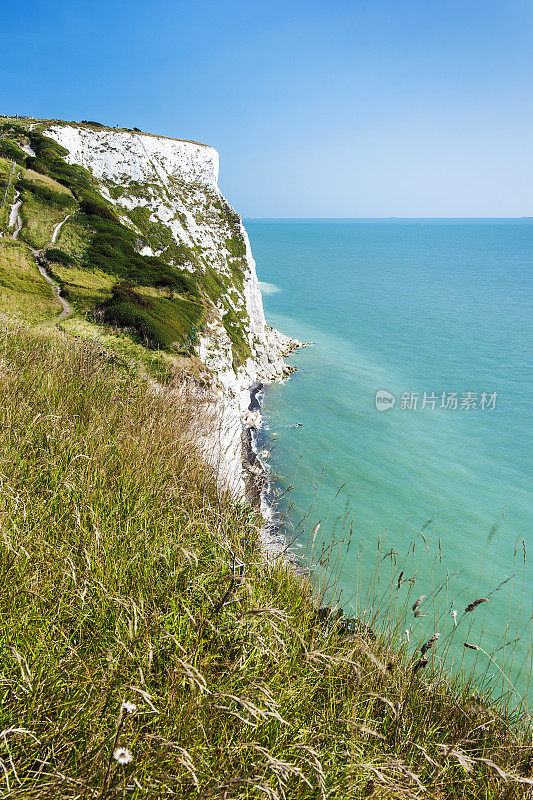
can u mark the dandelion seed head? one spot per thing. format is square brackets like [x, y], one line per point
[122, 755]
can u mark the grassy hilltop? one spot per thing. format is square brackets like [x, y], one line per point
[146, 647]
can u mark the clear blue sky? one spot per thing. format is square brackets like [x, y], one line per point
[355, 108]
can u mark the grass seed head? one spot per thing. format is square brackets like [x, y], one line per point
[475, 604]
[425, 647]
[420, 664]
[417, 604]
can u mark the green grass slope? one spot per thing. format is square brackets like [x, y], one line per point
[23, 291]
[128, 625]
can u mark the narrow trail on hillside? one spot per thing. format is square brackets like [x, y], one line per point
[67, 308]
[8, 185]
[58, 227]
[38, 255]
[40, 261]
[14, 216]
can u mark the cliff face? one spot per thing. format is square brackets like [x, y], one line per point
[167, 190]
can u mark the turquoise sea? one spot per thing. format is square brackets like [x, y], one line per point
[410, 307]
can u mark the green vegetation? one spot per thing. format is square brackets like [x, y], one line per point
[112, 249]
[157, 364]
[158, 322]
[24, 293]
[133, 189]
[58, 256]
[236, 246]
[47, 192]
[217, 285]
[159, 237]
[10, 150]
[74, 237]
[234, 328]
[86, 289]
[37, 179]
[127, 621]
[38, 220]
[229, 213]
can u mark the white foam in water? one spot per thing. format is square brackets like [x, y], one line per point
[269, 288]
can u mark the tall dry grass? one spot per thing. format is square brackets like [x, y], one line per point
[148, 650]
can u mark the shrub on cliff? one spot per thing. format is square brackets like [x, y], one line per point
[97, 209]
[47, 195]
[57, 256]
[236, 246]
[158, 322]
[11, 150]
[112, 249]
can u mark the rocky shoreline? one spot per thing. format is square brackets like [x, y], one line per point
[257, 483]
[256, 472]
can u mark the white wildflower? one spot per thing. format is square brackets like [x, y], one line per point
[129, 708]
[454, 615]
[122, 755]
[407, 635]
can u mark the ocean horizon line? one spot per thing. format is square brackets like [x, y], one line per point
[523, 219]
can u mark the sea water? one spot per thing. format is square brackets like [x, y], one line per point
[408, 421]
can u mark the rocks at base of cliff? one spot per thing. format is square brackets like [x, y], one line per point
[251, 419]
[255, 478]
